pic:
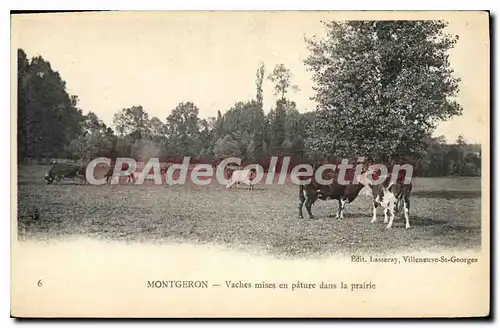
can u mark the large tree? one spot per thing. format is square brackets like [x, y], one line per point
[156, 128]
[277, 118]
[381, 87]
[183, 131]
[226, 147]
[132, 122]
[259, 82]
[245, 122]
[281, 77]
[48, 117]
[22, 104]
[257, 147]
[95, 140]
[296, 125]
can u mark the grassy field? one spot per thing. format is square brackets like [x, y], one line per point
[445, 214]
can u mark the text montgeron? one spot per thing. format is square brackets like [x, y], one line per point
[177, 284]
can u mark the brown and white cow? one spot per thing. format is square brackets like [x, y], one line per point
[393, 195]
[344, 193]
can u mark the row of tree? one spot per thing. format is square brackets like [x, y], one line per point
[50, 125]
[381, 88]
[442, 159]
[243, 131]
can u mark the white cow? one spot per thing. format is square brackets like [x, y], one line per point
[242, 176]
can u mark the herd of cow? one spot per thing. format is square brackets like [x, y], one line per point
[60, 171]
[392, 195]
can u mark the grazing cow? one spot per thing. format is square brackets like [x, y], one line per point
[60, 171]
[132, 177]
[242, 176]
[345, 194]
[393, 196]
[129, 178]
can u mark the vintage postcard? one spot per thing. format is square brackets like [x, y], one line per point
[225, 164]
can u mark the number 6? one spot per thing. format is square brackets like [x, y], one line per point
[39, 283]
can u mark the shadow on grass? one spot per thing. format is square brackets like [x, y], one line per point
[43, 182]
[448, 194]
[415, 221]
[458, 229]
[422, 222]
[31, 182]
[352, 215]
[245, 189]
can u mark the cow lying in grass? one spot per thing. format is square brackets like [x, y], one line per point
[345, 194]
[60, 171]
[393, 195]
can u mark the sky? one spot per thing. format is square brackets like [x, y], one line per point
[116, 60]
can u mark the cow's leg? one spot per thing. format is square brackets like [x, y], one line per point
[386, 212]
[406, 206]
[309, 203]
[374, 217]
[391, 206]
[342, 203]
[302, 199]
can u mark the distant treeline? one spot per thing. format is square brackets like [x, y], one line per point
[51, 125]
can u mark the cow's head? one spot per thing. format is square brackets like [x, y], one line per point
[361, 179]
[368, 174]
[373, 171]
[253, 174]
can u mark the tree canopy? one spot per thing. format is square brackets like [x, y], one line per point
[381, 86]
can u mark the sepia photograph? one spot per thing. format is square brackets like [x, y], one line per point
[250, 164]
